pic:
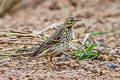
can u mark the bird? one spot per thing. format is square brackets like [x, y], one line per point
[58, 41]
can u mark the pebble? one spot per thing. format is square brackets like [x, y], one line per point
[108, 57]
[111, 65]
[112, 52]
[118, 60]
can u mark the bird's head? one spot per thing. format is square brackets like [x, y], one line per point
[69, 22]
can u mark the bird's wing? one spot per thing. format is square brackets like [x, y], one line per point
[51, 41]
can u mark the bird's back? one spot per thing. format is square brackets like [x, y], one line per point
[62, 35]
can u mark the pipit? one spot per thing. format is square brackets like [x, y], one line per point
[58, 41]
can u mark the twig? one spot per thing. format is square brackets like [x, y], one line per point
[15, 55]
[16, 43]
[55, 25]
[9, 49]
[93, 33]
[18, 34]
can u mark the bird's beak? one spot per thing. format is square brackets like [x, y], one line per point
[77, 20]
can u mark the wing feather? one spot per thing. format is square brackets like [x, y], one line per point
[51, 41]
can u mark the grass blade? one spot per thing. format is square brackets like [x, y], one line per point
[100, 32]
[90, 47]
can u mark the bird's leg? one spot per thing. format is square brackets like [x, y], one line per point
[48, 59]
[69, 52]
[48, 63]
[71, 48]
[51, 60]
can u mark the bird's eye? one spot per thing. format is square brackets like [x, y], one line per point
[70, 20]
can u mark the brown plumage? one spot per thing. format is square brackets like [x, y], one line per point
[58, 41]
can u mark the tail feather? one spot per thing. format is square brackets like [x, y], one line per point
[36, 53]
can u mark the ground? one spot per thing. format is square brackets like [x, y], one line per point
[97, 15]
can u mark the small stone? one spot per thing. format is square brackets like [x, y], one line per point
[111, 65]
[30, 79]
[108, 57]
[5, 65]
[10, 77]
[113, 52]
[118, 60]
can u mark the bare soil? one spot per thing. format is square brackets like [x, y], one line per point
[98, 15]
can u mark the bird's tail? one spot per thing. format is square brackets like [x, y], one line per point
[32, 55]
[36, 53]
